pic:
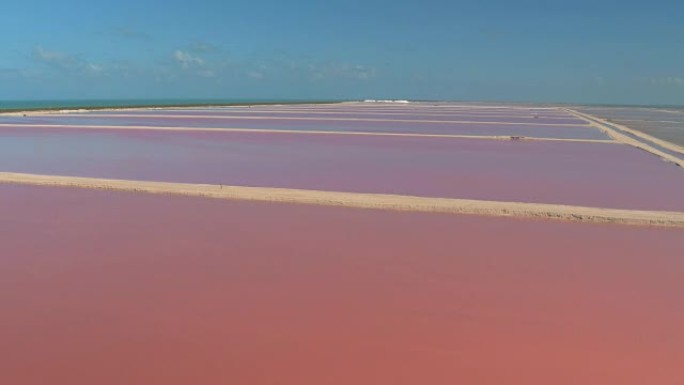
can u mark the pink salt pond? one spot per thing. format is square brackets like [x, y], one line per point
[404, 110]
[114, 288]
[589, 174]
[494, 127]
[352, 115]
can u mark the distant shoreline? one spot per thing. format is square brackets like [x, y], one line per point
[37, 106]
[123, 105]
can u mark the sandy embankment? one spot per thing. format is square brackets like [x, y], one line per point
[604, 126]
[308, 132]
[363, 200]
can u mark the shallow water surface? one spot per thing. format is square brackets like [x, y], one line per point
[590, 174]
[549, 130]
[115, 288]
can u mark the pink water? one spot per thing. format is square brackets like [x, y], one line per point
[608, 175]
[318, 114]
[111, 288]
[549, 130]
[384, 110]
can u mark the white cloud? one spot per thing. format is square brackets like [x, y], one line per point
[362, 72]
[187, 60]
[66, 62]
[599, 80]
[255, 75]
[94, 68]
[55, 58]
[668, 81]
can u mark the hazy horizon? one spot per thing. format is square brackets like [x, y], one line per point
[13, 105]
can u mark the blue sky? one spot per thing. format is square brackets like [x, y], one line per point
[556, 51]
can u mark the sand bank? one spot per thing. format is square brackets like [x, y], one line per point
[494, 170]
[605, 127]
[315, 132]
[365, 201]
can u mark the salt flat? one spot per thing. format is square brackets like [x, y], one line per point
[352, 262]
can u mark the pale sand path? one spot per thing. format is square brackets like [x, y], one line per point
[323, 119]
[397, 111]
[347, 112]
[435, 106]
[622, 138]
[646, 121]
[604, 125]
[363, 200]
[673, 111]
[312, 132]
